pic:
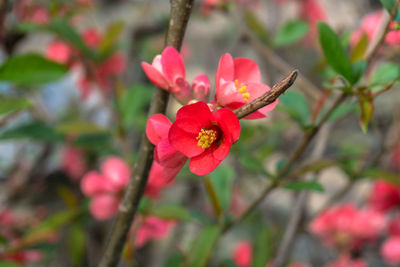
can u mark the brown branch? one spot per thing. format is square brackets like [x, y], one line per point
[180, 13]
[3, 10]
[283, 172]
[268, 97]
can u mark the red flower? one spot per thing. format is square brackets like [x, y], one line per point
[151, 228]
[390, 250]
[170, 160]
[204, 137]
[384, 196]
[243, 254]
[238, 82]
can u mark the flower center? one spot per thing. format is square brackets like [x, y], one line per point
[206, 137]
[241, 88]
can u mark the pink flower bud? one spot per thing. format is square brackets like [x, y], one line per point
[92, 38]
[93, 183]
[117, 172]
[243, 254]
[103, 207]
[201, 87]
[390, 250]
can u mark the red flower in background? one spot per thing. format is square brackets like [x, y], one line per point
[106, 188]
[73, 162]
[384, 196]
[238, 82]
[243, 254]
[151, 228]
[390, 250]
[204, 137]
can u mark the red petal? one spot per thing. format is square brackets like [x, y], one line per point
[228, 123]
[225, 69]
[204, 163]
[155, 76]
[227, 94]
[183, 138]
[168, 156]
[157, 128]
[246, 70]
[172, 64]
[198, 111]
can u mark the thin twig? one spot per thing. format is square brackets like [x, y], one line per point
[3, 10]
[180, 13]
[267, 98]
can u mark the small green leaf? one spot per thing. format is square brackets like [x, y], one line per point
[76, 244]
[171, 212]
[367, 110]
[175, 259]
[79, 128]
[111, 36]
[202, 246]
[383, 75]
[388, 4]
[342, 111]
[305, 185]
[222, 180]
[383, 174]
[296, 106]
[13, 104]
[262, 248]
[31, 69]
[334, 52]
[32, 130]
[291, 32]
[360, 48]
[359, 69]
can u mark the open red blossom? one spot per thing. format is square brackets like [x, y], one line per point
[238, 82]
[168, 161]
[203, 136]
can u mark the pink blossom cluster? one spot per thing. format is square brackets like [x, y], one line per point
[243, 255]
[348, 228]
[101, 74]
[73, 162]
[106, 188]
[202, 132]
[370, 26]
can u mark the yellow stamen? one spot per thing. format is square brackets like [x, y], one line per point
[241, 88]
[206, 138]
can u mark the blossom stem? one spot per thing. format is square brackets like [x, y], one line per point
[268, 97]
[213, 197]
[180, 13]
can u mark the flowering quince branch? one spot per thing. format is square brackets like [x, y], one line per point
[267, 98]
[180, 13]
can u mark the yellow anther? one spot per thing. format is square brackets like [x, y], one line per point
[243, 90]
[206, 138]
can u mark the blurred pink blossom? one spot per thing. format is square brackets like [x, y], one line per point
[28, 11]
[390, 250]
[106, 188]
[384, 196]
[243, 254]
[73, 162]
[152, 228]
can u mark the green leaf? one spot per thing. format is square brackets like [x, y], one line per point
[334, 52]
[360, 48]
[253, 164]
[79, 128]
[32, 130]
[132, 105]
[222, 181]
[172, 212]
[9, 264]
[291, 32]
[367, 110]
[388, 4]
[175, 259]
[13, 104]
[262, 248]
[376, 173]
[342, 111]
[203, 246]
[31, 69]
[304, 185]
[383, 75]
[111, 36]
[296, 106]
[76, 242]
[359, 69]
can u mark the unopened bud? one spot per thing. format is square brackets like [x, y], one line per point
[201, 87]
